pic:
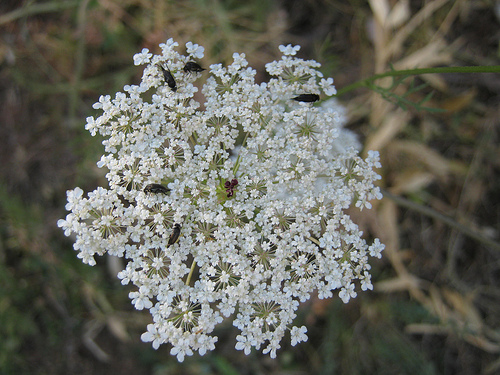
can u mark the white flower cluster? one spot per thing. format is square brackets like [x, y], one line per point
[235, 207]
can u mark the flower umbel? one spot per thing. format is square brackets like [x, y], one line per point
[238, 209]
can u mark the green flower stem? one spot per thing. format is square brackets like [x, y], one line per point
[238, 159]
[409, 72]
[33, 9]
[191, 271]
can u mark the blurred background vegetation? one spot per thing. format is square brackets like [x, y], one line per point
[436, 304]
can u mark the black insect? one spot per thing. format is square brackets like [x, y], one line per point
[191, 67]
[174, 237]
[169, 78]
[156, 189]
[309, 98]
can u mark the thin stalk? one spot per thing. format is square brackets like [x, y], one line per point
[314, 240]
[79, 62]
[409, 72]
[32, 9]
[238, 159]
[191, 271]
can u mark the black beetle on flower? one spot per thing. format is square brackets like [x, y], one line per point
[174, 237]
[169, 78]
[156, 189]
[191, 67]
[308, 98]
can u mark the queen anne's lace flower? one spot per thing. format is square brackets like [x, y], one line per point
[257, 183]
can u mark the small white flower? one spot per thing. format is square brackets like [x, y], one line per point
[366, 283]
[244, 343]
[327, 86]
[289, 50]
[238, 63]
[152, 335]
[91, 126]
[376, 248]
[298, 335]
[140, 299]
[181, 350]
[144, 57]
[347, 292]
[195, 50]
